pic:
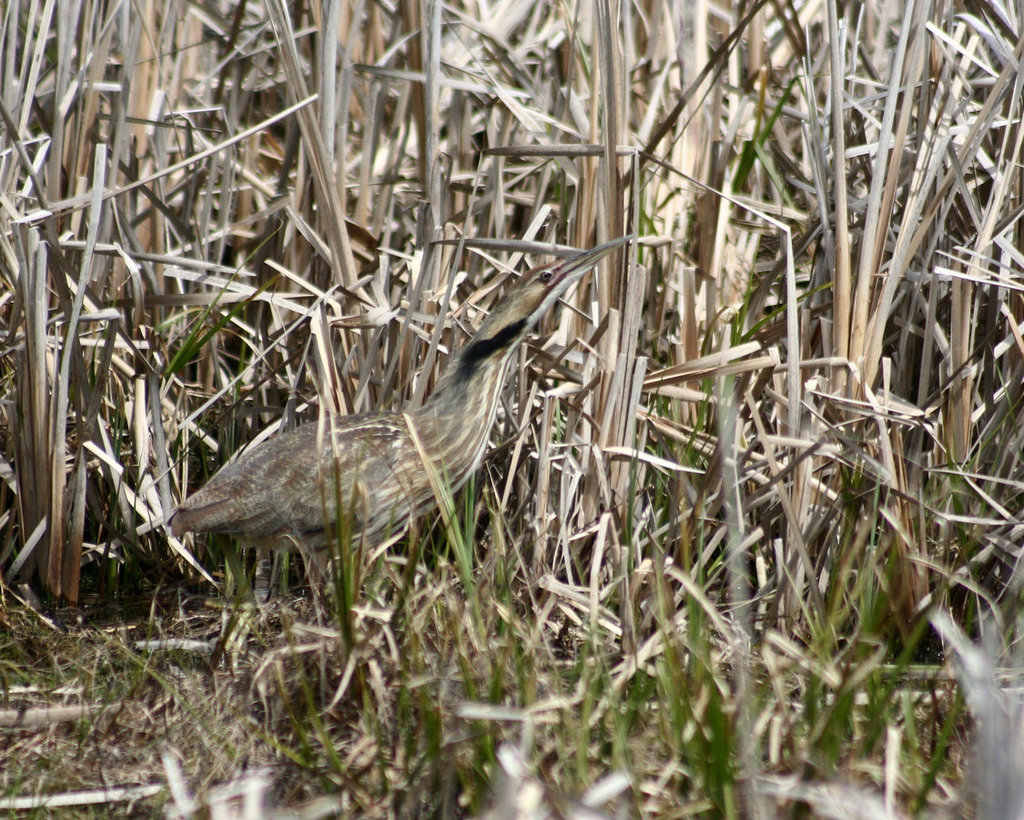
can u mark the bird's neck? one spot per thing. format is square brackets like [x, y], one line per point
[460, 412]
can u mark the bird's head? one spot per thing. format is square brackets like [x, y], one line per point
[534, 295]
[475, 376]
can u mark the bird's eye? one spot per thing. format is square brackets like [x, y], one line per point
[544, 276]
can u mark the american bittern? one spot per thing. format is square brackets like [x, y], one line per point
[368, 475]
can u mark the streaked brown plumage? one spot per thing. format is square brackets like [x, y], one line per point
[287, 491]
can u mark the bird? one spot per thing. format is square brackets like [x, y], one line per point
[369, 475]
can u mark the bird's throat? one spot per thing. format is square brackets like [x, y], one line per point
[459, 414]
[483, 351]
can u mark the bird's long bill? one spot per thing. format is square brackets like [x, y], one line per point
[575, 266]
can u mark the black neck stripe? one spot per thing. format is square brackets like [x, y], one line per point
[481, 349]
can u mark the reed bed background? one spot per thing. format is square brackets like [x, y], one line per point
[747, 540]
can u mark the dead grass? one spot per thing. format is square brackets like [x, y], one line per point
[747, 540]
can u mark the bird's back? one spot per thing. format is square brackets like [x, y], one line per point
[293, 485]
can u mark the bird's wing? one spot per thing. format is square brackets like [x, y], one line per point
[284, 486]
